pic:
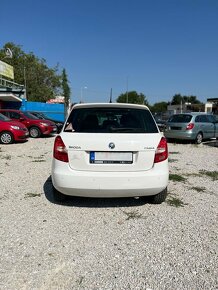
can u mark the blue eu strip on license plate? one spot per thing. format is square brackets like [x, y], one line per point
[92, 157]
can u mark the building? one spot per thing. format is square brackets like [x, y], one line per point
[211, 106]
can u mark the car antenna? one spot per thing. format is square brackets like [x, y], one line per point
[111, 96]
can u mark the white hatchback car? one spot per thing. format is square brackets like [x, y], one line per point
[110, 150]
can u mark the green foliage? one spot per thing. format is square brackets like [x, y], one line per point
[66, 90]
[42, 82]
[159, 107]
[211, 174]
[176, 202]
[178, 98]
[177, 177]
[133, 97]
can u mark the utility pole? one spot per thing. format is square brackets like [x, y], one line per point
[127, 92]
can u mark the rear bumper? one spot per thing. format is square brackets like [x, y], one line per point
[186, 135]
[109, 184]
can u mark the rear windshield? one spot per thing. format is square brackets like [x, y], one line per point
[110, 120]
[180, 118]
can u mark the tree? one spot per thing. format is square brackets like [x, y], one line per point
[66, 90]
[177, 99]
[42, 82]
[132, 97]
[159, 107]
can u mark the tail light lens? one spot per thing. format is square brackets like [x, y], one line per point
[190, 126]
[60, 150]
[161, 153]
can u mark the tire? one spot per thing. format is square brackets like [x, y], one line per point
[159, 198]
[57, 195]
[35, 132]
[6, 137]
[199, 138]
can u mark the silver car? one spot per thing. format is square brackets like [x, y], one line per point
[193, 126]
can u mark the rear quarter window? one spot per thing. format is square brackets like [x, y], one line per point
[110, 120]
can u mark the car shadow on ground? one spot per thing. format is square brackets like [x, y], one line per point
[213, 143]
[93, 202]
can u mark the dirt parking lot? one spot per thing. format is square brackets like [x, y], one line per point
[113, 244]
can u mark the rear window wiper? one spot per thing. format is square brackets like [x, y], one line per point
[127, 130]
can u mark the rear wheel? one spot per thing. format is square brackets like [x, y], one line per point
[34, 132]
[6, 138]
[57, 195]
[199, 138]
[160, 197]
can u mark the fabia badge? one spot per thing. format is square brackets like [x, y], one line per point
[111, 145]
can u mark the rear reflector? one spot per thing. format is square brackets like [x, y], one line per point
[60, 150]
[161, 153]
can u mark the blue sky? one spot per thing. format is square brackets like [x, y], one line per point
[155, 47]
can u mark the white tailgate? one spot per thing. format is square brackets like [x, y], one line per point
[91, 152]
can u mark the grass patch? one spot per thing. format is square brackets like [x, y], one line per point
[198, 189]
[132, 214]
[39, 160]
[174, 152]
[30, 194]
[177, 177]
[176, 202]
[212, 174]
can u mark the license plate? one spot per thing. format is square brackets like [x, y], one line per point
[111, 157]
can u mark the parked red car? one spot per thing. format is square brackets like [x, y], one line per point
[35, 126]
[11, 131]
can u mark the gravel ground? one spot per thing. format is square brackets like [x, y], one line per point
[107, 244]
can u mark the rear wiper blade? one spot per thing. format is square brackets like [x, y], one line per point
[126, 129]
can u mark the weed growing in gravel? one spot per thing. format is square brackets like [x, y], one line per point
[176, 202]
[194, 174]
[7, 157]
[39, 160]
[176, 177]
[174, 152]
[172, 160]
[212, 174]
[198, 189]
[132, 214]
[30, 194]
[79, 281]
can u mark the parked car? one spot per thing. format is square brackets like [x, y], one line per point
[11, 131]
[110, 150]
[42, 116]
[192, 126]
[160, 123]
[36, 127]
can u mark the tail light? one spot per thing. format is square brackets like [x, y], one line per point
[60, 150]
[190, 126]
[161, 153]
